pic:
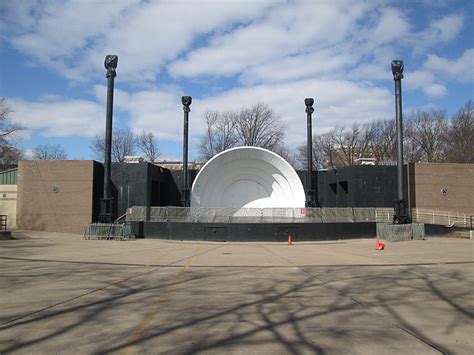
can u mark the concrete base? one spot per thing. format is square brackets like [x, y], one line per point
[259, 232]
[5, 235]
[400, 232]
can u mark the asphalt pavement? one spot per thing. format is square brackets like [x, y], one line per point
[62, 294]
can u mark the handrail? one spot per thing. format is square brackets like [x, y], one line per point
[120, 218]
[446, 218]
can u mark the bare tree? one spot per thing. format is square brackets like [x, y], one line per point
[123, 144]
[9, 152]
[9, 156]
[460, 136]
[290, 156]
[49, 151]
[321, 153]
[146, 142]
[220, 133]
[411, 151]
[8, 128]
[349, 144]
[254, 126]
[382, 139]
[97, 146]
[429, 130]
[258, 126]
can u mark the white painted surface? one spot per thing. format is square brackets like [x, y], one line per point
[247, 177]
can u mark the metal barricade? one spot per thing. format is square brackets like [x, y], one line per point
[108, 231]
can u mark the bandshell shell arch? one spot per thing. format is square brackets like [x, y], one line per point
[247, 177]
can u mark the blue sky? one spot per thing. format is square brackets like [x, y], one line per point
[226, 55]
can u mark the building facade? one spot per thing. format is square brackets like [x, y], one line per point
[63, 196]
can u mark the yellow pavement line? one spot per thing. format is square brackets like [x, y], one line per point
[161, 299]
[130, 275]
[163, 255]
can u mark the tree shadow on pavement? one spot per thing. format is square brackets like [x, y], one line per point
[190, 310]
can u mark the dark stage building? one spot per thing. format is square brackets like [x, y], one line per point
[144, 184]
[63, 196]
[358, 186]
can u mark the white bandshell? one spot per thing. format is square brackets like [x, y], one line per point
[247, 177]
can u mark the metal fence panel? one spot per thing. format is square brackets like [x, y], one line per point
[363, 214]
[255, 215]
[313, 215]
[158, 214]
[332, 215]
[136, 213]
[108, 231]
[291, 215]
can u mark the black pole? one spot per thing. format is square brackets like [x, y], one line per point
[110, 64]
[309, 152]
[401, 212]
[186, 101]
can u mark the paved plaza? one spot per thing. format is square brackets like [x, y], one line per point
[62, 294]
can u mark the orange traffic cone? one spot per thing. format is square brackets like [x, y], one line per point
[379, 245]
[290, 242]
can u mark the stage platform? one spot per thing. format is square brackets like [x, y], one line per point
[271, 225]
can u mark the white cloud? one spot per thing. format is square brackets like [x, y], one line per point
[448, 27]
[62, 30]
[435, 90]
[392, 25]
[418, 79]
[59, 117]
[425, 81]
[376, 69]
[159, 111]
[259, 41]
[435, 69]
[279, 53]
[73, 37]
[14, 12]
[440, 31]
[28, 153]
[322, 63]
[338, 102]
[299, 28]
[461, 69]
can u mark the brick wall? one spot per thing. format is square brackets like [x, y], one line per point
[443, 186]
[55, 196]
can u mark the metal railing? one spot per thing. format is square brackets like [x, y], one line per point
[291, 215]
[444, 218]
[108, 231]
